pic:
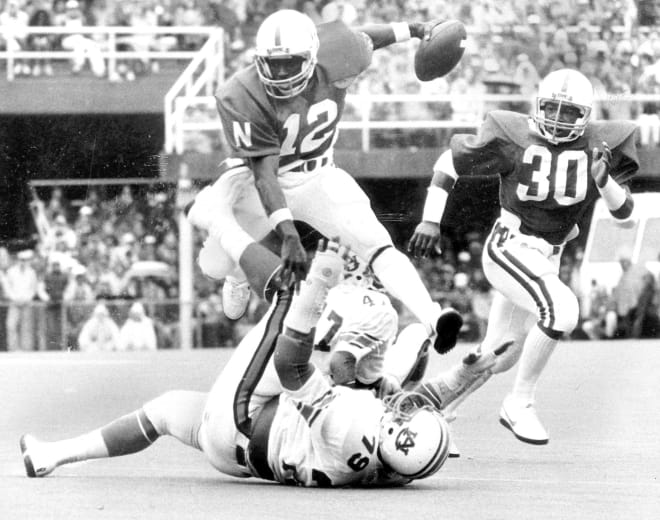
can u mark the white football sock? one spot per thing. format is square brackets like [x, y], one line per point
[235, 241]
[401, 280]
[536, 352]
[87, 446]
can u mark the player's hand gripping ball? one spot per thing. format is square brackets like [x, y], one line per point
[438, 54]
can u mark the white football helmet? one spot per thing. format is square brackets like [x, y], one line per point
[571, 91]
[414, 436]
[285, 53]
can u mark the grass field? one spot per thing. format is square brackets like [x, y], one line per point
[599, 400]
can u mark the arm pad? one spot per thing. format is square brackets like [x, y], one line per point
[291, 359]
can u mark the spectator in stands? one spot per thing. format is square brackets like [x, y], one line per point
[20, 285]
[99, 333]
[626, 294]
[84, 47]
[647, 321]
[60, 232]
[14, 22]
[41, 17]
[126, 252]
[187, 14]
[56, 205]
[526, 75]
[84, 225]
[464, 89]
[599, 313]
[138, 332]
[78, 298]
[482, 300]
[649, 83]
[55, 282]
[215, 329]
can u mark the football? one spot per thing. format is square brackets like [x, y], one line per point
[438, 55]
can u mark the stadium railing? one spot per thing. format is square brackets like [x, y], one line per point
[108, 38]
[56, 326]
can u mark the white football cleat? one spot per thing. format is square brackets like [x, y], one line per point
[520, 417]
[36, 458]
[235, 297]
[454, 452]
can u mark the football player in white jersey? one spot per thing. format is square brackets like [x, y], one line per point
[272, 414]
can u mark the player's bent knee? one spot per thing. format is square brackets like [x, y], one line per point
[567, 313]
[214, 261]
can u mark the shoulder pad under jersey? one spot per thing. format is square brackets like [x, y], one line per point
[614, 133]
[510, 125]
[343, 53]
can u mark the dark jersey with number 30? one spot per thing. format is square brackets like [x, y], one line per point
[303, 127]
[547, 186]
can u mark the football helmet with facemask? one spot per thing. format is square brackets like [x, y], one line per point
[563, 106]
[414, 436]
[286, 53]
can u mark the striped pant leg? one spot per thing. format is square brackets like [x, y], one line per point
[246, 383]
[530, 280]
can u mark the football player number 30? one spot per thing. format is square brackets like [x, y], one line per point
[568, 189]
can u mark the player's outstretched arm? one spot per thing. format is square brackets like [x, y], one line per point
[295, 344]
[385, 34]
[427, 233]
[294, 258]
[617, 198]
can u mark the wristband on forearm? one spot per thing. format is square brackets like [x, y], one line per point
[613, 194]
[434, 206]
[278, 216]
[401, 31]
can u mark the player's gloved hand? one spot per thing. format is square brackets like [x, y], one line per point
[601, 161]
[388, 385]
[294, 261]
[424, 239]
[422, 30]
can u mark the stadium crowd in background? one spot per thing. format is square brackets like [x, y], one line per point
[105, 254]
[88, 250]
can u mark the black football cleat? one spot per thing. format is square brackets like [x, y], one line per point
[447, 328]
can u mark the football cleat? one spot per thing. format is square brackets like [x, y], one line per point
[454, 452]
[38, 462]
[235, 297]
[446, 329]
[520, 417]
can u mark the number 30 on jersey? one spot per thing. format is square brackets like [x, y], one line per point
[568, 189]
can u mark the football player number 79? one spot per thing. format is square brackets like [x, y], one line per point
[568, 189]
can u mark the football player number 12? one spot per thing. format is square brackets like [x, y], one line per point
[320, 116]
[568, 189]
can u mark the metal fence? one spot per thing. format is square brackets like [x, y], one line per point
[43, 326]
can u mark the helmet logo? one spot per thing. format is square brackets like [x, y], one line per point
[351, 264]
[405, 440]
